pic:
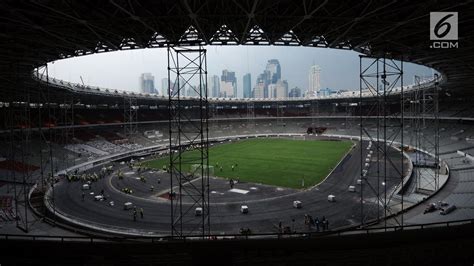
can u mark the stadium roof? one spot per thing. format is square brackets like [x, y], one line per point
[36, 32]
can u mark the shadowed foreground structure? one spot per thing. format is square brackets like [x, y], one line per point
[434, 246]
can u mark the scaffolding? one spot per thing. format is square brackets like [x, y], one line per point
[46, 138]
[381, 134]
[130, 116]
[188, 130]
[20, 150]
[349, 115]
[65, 133]
[422, 103]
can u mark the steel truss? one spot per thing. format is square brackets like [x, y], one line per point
[45, 116]
[381, 126]
[130, 116]
[65, 135]
[188, 129]
[422, 104]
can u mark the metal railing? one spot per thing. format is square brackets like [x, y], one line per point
[230, 237]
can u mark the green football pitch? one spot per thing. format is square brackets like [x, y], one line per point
[279, 162]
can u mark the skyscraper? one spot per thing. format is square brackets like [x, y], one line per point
[262, 84]
[247, 82]
[213, 84]
[314, 81]
[271, 75]
[278, 90]
[174, 87]
[274, 71]
[147, 83]
[164, 87]
[192, 91]
[282, 89]
[228, 84]
[272, 90]
[258, 91]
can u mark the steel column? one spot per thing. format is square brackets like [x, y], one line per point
[188, 131]
[381, 125]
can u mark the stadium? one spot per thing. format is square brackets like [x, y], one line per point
[379, 175]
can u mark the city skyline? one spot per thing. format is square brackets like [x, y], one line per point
[341, 67]
[269, 84]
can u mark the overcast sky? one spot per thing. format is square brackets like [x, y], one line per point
[121, 69]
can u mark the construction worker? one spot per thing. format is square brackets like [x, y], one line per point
[311, 221]
[134, 215]
[141, 213]
[232, 168]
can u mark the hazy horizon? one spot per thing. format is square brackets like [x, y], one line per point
[122, 69]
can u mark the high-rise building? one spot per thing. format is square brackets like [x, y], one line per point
[164, 87]
[216, 86]
[314, 81]
[282, 89]
[272, 90]
[180, 85]
[295, 92]
[247, 82]
[192, 91]
[147, 83]
[271, 75]
[173, 86]
[228, 84]
[213, 85]
[259, 90]
[274, 71]
[278, 90]
[262, 81]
